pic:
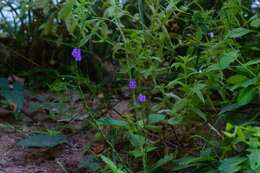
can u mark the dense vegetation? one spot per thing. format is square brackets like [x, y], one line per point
[190, 69]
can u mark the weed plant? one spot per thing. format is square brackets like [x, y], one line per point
[193, 70]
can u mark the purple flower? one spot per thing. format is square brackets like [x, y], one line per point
[76, 53]
[141, 98]
[132, 84]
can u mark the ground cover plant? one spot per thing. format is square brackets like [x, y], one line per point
[185, 72]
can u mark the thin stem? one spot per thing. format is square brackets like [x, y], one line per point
[86, 107]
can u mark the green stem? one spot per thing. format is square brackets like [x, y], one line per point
[93, 120]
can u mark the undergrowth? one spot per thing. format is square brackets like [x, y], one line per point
[192, 69]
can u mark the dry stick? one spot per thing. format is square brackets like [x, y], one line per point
[27, 59]
[215, 130]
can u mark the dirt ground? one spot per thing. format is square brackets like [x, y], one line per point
[19, 159]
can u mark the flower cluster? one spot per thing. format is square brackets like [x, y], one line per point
[141, 97]
[76, 53]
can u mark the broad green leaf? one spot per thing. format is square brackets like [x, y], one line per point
[227, 58]
[43, 141]
[13, 94]
[246, 95]
[237, 32]
[112, 122]
[254, 159]
[136, 140]
[231, 165]
[155, 118]
[236, 79]
[92, 166]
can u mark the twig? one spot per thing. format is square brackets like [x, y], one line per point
[62, 167]
[215, 130]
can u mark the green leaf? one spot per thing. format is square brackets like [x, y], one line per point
[237, 32]
[189, 162]
[254, 159]
[227, 58]
[175, 120]
[43, 141]
[255, 21]
[140, 152]
[13, 94]
[236, 79]
[231, 165]
[253, 61]
[92, 166]
[112, 122]
[66, 10]
[244, 84]
[230, 107]
[240, 134]
[155, 118]
[111, 165]
[163, 161]
[197, 90]
[200, 113]
[246, 95]
[136, 140]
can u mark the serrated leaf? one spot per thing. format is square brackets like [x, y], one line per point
[43, 141]
[155, 118]
[112, 122]
[231, 165]
[237, 32]
[246, 95]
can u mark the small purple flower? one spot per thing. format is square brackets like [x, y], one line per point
[132, 84]
[76, 53]
[141, 98]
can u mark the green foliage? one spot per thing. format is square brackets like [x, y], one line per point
[43, 141]
[196, 61]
